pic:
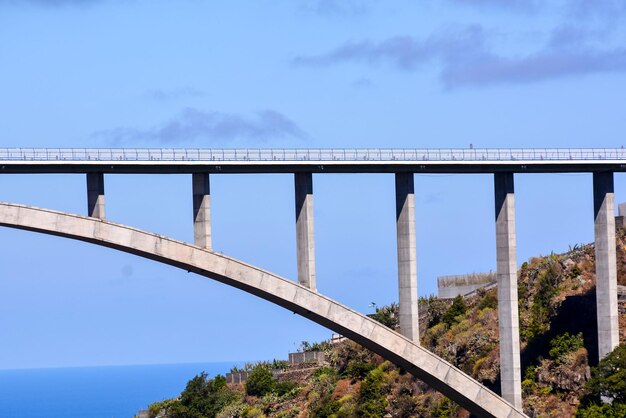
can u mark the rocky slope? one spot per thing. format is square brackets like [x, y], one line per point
[558, 341]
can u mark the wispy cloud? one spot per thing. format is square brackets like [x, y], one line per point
[52, 3]
[597, 8]
[465, 58]
[163, 95]
[544, 65]
[193, 125]
[337, 7]
[515, 5]
[404, 52]
[363, 83]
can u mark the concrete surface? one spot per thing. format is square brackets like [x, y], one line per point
[449, 287]
[201, 190]
[606, 264]
[95, 195]
[407, 257]
[506, 271]
[305, 237]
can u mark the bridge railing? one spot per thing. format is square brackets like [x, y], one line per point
[321, 154]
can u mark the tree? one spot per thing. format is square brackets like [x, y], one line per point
[202, 397]
[607, 384]
[387, 315]
[260, 381]
[458, 308]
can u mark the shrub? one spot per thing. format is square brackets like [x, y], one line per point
[564, 344]
[457, 309]
[489, 300]
[252, 412]
[358, 369]
[279, 365]
[201, 397]
[320, 397]
[260, 381]
[436, 308]
[542, 308]
[306, 346]
[324, 370]
[616, 410]
[283, 388]
[372, 399]
[608, 379]
[387, 315]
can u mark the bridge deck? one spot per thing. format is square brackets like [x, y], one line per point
[379, 160]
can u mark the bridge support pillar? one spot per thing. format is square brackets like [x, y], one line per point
[606, 264]
[95, 195]
[305, 241]
[201, 210]
[508, 313]
[407, 256]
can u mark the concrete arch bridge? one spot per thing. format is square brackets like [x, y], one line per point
[401, 348]
[290, 295]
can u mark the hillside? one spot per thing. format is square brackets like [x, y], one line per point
[558, 341]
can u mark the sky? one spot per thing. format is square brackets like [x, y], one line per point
[276, 74]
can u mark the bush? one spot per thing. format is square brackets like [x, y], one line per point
[321, 396]
[542, 308]
[616, 410]
[489, 300]
[388, 316]
[358, 369]
[564, 344]
[260, 381]
[202, 397]
[608, 381]
[306, 346]
[283, 388]
[372, 399]
[458, 308]
[436, 308]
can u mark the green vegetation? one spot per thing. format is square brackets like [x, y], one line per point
[555, 298]
[388, 316]
[542, 308]
[260, 381]
[372, 396]
[201, 398]
[455, 312]
[435, 308]
[564, 344]
[605, 392]
[306, 346]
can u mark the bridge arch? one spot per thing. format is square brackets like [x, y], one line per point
[437, 373]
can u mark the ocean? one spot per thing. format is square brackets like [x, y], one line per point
[95, 392]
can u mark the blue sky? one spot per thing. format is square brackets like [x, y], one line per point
[285, 73]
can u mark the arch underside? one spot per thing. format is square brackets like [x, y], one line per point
[437, 373]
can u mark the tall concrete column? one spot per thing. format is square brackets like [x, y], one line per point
[305, 241]
[407, 256]
[508, 313]
[95, 195]
[201, 210]
[606, 265]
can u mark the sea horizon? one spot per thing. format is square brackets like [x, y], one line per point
[114, 391]
[94, 366]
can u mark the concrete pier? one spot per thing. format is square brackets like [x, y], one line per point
[407, 256]
[606, 266]
[508, 313]
[95, 195]
[305, 241]
[201, 210]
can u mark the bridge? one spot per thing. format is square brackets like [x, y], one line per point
[401, 348]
